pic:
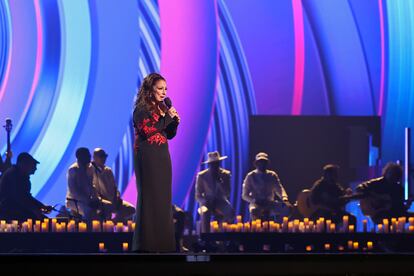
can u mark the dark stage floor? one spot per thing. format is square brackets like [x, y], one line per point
[211, 264]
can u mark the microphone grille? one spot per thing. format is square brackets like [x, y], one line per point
[168, 102]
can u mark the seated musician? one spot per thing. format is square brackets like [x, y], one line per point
[104, 182]
[264, 192]
[384, 195]
[82, 197]
[16, 201]
[212, 191]
[327, 194]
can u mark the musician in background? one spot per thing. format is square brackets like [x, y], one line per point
[264, 192]
[329, 195]
[385, 193]
[16, 201]
[104, 182]
[82, 196]
[212, 192]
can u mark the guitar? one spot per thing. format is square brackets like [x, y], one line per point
[307, 208]
[375, 203]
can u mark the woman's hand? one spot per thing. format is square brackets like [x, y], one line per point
[173, 113]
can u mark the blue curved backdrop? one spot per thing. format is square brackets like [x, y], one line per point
[69, 72]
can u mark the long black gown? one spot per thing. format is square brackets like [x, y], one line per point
[154, 231]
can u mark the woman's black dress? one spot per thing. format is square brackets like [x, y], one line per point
[154, 231]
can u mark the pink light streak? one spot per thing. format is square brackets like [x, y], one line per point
[39, 54]
[382, 78]
[299, 57]
[7, 74]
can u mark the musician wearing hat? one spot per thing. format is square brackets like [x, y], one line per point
[264, 192]
[105, 184]
[16, 201]
[212, 192]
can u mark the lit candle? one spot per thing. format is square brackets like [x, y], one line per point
[82, 227]
[370, 245]
[350, 244]
[393, 228]
[411, 229]
[130, 226]
[239, 219]
[102, 247]
[96, 226]
[125, 246]
[380, 228]
[351, 228]
[295, 226]
[290, 226]
[411, 221]
[302, 227]
[247, 227]
[54, 221]
[309, 248]
[327, 246]
[25, 227]
[345, 223]
[328, 225]
[364, 225]
[311, 226]
[277, 227]
[332, 228]
[45, 227]
[37, 226]
[356, 245]
[71, 226]
[285, 224]
[119, 227]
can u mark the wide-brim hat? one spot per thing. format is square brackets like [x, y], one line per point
[262, 156]
[214, 157]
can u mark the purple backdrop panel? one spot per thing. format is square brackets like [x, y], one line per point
[189, 59]
[266, 33]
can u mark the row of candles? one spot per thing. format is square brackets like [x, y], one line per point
[321, 225]
[351, 246]
[52, 225]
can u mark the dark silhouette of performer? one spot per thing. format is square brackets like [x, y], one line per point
[16, 201]
[386, 193]
[212, 192]
[154, 124]
[328, 193]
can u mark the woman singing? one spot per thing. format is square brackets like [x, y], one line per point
[154, 123]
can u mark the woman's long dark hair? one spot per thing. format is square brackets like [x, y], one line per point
[145, 99]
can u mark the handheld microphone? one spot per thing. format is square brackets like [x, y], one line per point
[168, 104]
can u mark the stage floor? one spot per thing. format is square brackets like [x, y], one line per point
[211, 264]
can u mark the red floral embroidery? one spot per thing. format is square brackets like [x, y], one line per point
[157, 138]
[155, 116]
[147, 128]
